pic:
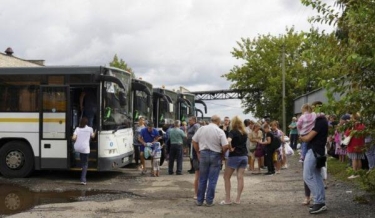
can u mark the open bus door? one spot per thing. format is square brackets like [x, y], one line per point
[53, 127]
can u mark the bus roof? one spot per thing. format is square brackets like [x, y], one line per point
[56, 70]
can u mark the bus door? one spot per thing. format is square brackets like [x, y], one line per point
[53, 127]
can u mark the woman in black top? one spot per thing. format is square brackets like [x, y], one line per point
[237, 159]
[270, 148]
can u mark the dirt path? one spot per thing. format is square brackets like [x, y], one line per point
[171, 196]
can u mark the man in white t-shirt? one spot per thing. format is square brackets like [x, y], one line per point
[209, 143]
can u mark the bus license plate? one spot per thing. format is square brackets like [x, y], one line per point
[125, 159]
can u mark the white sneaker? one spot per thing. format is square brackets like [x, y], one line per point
[353, 176]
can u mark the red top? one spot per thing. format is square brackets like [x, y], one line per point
[357, 142]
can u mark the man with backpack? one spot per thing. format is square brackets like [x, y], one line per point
[271, 143]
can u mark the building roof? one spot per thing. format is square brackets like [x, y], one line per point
[9, 60]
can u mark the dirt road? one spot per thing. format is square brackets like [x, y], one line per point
[133, 195]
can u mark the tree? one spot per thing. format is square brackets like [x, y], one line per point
[355, 39]
[121, 64]
[261, 71]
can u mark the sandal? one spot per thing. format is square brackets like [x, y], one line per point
[225, 203]
[237, 202]
[306, 202]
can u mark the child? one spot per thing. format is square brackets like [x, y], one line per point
[156, 154]
[305, 124]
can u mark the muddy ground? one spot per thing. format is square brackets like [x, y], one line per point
[127, 193]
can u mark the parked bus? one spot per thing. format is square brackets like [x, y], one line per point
[185, 106]
[164, 107]
[142, 99]
[40, 108]
[142, 106]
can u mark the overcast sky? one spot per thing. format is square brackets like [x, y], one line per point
[166, 42]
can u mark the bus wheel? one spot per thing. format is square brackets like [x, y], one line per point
[16, 159]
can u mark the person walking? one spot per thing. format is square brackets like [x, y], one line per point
[270, 148]
[293, 133]
[191, 130]
[237, 159]
[316, 139]
[81, 136]
[209, 142]
[136, 143]
[176, 137]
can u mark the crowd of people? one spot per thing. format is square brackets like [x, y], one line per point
[236, 145]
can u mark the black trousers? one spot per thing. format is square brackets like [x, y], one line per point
[293, 141]
[269, 159]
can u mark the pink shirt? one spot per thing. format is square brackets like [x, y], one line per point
[306, 123]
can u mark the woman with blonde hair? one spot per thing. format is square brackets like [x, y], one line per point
[237, 159]
[254, 136]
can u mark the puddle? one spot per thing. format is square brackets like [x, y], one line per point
[15, 199]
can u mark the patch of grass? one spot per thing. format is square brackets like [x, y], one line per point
[337, 169]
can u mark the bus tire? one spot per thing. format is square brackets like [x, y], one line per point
[16, 159]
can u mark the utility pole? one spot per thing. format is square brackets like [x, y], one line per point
[283, 69]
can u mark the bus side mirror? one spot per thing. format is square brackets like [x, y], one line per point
[122, 98]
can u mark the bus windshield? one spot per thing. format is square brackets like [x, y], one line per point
[116, 107]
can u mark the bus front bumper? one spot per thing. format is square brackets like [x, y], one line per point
[111, 163]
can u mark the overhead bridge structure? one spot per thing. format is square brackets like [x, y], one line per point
[219, 94]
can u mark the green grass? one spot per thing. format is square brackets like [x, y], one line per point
[340, 171]
[337, 169]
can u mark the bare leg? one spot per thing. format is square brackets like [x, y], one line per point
[259, 163]
[227, 175]
[142, 161]
[240, 184]
[252, 161]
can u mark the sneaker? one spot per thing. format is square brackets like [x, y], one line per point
[318, 208]
[83, 183]
[353, 176]
[269, 173]
[198, 203]
[210, 205]
[192, 171]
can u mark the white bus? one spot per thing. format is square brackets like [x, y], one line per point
[40, 108]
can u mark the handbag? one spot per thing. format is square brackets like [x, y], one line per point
[346, 141]
[259, 152]
[320, 160]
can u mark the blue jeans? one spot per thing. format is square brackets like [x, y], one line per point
[175, 154]
[304, 149]
[313, 178]
[84, 164]
[90, 115]
[209, 170]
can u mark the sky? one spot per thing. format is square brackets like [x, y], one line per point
[166, 42]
